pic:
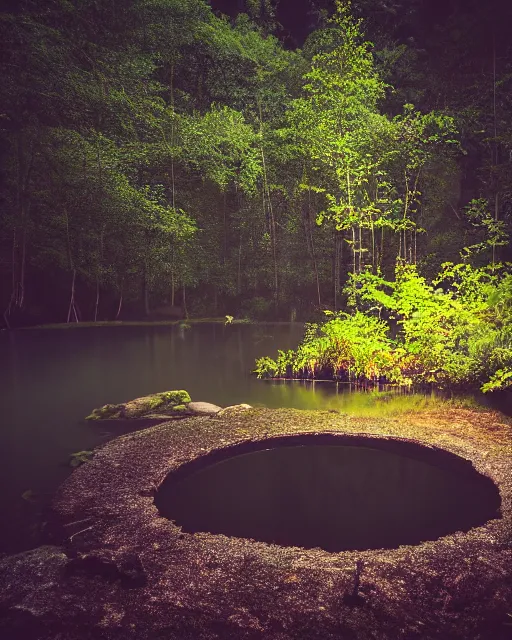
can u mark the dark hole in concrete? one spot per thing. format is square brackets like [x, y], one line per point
[333, 492]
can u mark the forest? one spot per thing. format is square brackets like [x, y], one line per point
[162, 157]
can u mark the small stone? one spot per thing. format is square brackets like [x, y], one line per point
[235, 408]
[204, 408]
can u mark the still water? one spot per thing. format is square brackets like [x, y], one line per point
[51, 379]
[327, 495]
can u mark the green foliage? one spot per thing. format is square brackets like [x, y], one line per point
[457, 335]
[369, 167]
[222, 146]
[164, 154]
[354, 347]
[495, 231]
[501, 379]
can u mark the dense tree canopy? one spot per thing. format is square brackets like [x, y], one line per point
[157, 152]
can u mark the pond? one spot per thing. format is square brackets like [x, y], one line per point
[50, 379]
[312, 491]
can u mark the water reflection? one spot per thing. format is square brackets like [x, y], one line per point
[348, 398]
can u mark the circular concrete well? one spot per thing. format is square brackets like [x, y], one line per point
[337, 493]
[406, 532]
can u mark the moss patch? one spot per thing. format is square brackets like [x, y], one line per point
[108, 411]
[180, 408]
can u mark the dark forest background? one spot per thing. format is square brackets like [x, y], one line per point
[173, 157]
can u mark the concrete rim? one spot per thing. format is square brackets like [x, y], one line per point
[114, 494]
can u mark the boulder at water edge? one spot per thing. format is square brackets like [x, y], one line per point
[165, 402]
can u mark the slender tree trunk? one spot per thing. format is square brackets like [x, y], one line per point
[335, 270]
[120, 304]
[272, 225]
[72, 304]
[21, 295]
[239, 267]
[272, 221]
[185, 302]
[274, 252]
[315, 264]
[173, 182]
[225, 230]
[354, 250]
[317, 280]
[12, 300]
[145, 292]
[338, 261]
[373, 245]
[341, 245]
[349, 194]
[18, 296]
[96, 305]
[381, 253]
[496, 217]
[310, 243]
[173, 277]
[360, 248]
[98, 269]
[71, 308]
[495, 154]
[406, 209]
[6, 319]
[24, 166]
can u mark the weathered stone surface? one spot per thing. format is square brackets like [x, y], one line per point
[203, 408]
[27, 575]
[165, 401]
[211, 587]
[233, 409]
[29, 587]
[112, 566]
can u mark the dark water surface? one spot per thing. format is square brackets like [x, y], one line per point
[332, 496]
[51, 379]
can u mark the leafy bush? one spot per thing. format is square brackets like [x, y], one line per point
[346, 347]
[456, 331]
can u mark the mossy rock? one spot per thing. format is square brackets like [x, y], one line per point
[108, 411]
[138, 408]
[79, 457]
[180, 408]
